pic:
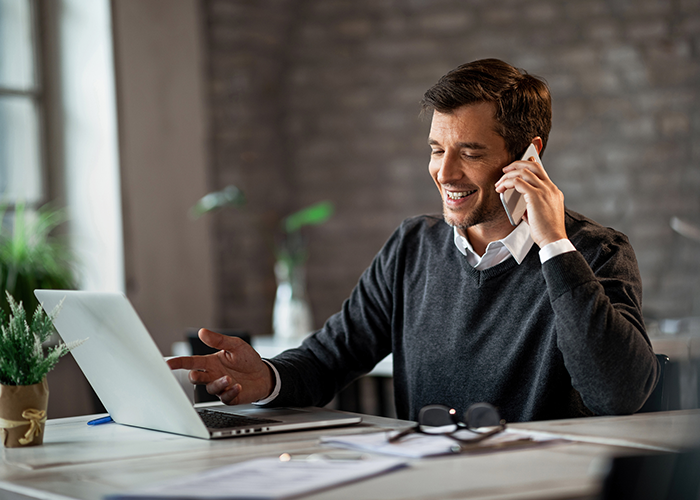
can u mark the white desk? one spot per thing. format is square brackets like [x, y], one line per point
[85, 463]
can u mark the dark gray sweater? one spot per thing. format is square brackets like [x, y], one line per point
[539, 341]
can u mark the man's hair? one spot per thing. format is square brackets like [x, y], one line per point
[522, 101]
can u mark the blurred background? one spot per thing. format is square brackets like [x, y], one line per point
[128, 112]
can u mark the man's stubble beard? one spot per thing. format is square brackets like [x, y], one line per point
[480, 215]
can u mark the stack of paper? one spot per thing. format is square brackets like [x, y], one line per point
[265, 478]
[419, 445]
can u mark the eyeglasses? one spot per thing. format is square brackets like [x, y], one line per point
[442, 420]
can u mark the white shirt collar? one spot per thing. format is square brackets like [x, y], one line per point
[517, 244]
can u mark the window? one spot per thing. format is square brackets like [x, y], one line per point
[20, 100]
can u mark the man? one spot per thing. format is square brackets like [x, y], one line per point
[542, 320]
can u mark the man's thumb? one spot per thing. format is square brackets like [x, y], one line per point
[219, 341]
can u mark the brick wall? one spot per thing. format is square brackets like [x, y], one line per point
[318, 99]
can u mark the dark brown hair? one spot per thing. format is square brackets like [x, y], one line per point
[523, 103]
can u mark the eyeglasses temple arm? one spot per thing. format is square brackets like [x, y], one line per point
[403, 433]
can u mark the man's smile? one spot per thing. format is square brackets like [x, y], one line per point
[458, 195]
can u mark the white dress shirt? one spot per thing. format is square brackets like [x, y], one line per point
[517, 244]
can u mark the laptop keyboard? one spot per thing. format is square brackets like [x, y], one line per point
[223, 420]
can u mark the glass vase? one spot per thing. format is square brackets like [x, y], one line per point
[291, 316]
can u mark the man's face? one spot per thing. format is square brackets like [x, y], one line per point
[467, 158]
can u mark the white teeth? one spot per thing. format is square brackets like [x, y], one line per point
[457, 196]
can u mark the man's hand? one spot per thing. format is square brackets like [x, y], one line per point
[235, 374]
[545, 202]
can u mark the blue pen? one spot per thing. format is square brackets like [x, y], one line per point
[103, 420]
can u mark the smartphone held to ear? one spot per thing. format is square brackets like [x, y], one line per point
[513, 201]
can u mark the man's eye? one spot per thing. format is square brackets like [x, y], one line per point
[436, 152]
[472, 157]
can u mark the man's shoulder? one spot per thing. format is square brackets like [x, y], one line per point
[424, 226]
[420, 231]
[415, 239]
[587, 234]
[425, 221]
[580, 226]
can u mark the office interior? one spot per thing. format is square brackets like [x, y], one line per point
[147, 105]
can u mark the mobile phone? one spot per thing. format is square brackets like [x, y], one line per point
[513, 201]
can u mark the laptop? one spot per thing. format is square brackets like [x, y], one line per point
[130, 376]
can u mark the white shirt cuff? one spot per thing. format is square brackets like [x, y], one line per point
[276, 390]
[556, 248]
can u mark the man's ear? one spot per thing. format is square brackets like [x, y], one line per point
[537, 141]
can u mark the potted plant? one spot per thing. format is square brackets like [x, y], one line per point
[291, 316]
[31, 256]
[24, 363]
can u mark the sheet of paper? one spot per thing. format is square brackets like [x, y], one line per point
[265, 478]
[418, 445]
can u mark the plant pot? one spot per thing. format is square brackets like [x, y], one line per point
[23, 413]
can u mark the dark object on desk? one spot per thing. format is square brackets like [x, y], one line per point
[669, 476]
[442, 420]
[199, 348]
[659, 398]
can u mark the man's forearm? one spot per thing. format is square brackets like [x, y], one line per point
[600, 332]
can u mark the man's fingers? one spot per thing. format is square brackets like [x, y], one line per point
[531, 165]
[188, 363]
[201, 377]
[174, 363]
[223, 385]
[219, 385]
[223, 372]
[225, 390]
[230, 397]
[512, 178]
[219, 341]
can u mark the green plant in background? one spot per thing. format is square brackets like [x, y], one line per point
[291, 250]
[290, 246]
[291, 316]
[31, 257]
[23, 360]
[230, 196]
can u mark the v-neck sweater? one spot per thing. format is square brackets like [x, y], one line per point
[539, 341]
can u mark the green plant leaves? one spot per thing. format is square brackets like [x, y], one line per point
[229, 196]
[31, 258]
[291, 249]
[317, 213]
[23, 359]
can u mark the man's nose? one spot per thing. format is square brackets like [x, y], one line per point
[450, 169]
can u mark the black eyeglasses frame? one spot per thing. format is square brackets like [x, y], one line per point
[450, 413]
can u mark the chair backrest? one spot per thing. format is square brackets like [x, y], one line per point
[659, 398]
